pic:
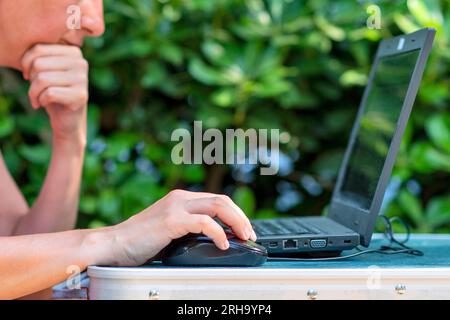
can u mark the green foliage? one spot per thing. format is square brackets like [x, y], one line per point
[298, 65]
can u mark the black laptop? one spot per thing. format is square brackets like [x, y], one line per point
[369, 158]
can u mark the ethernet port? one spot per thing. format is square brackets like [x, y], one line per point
[290, 244]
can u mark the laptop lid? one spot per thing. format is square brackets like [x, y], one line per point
[377, 133]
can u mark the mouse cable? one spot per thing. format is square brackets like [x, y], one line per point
[395, 246]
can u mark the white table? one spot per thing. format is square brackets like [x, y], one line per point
[371, 276]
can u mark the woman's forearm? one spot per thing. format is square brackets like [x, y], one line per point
[56, 207]
[12, 203]
[35, 262]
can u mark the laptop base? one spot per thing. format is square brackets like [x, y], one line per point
[307, 255]
[310, 236]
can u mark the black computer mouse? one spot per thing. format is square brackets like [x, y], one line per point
[199, 250]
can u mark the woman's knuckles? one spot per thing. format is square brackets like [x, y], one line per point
[204, 222]
[176, 195]
[219, 204]
[38, 65]
[83, 64]
[172, 221]
[76, 51]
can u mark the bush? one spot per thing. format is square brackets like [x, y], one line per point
[296, 65]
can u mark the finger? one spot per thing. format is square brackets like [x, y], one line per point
[197, 223]
[45, 50]
[66, 96]
[44, 80]
[44, 64]
[218, 207]
[231, 203]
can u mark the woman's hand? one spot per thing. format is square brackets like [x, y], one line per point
[59, 83]
[181, 212]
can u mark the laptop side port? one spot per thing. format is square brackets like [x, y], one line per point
[273, 244]
[290, 244]
[318, 243]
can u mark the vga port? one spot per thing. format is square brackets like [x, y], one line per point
[318, 243]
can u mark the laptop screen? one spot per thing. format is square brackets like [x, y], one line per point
[377, 127]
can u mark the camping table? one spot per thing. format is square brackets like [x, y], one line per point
[370, 276]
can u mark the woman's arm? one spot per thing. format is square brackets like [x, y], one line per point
[59, 80]
[35, 262]
[12, 203]
[56, 207]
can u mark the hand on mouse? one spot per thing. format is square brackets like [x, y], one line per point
[59, 83]
[180, 212]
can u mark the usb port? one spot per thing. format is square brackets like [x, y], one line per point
[273, 244]
[318, 243]
[290, 244]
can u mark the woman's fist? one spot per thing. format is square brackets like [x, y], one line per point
[59, 83]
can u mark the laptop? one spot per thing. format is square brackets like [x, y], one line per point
[370, 155]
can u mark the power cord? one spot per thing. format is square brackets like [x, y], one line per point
[395, 246]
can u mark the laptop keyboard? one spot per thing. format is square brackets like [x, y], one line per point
[283, 227]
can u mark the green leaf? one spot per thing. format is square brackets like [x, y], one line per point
[404, 23]
[109, 206]
[271, 89]
[32, 123]
[267, 214]
[104, 78]
[438, 211]
[193, 173]
[38, 154]
[225, 97]
[7, 125]
[412, 207]
[438, 129]
[353, 78]
[94, 224]
[427, 12]
[245, 199]
[328, 163]
[171, 53]
[425, 158]
[203, 73]
[154, 75]
[332, 31]
[88, 204]
[93, 121]
[214, 51]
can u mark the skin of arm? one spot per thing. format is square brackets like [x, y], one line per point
[37, 267]
[56, 207]
[58, 77]
[12, 202]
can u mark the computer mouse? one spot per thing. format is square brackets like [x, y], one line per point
[199, 250]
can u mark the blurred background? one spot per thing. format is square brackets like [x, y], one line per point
[297, 65]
